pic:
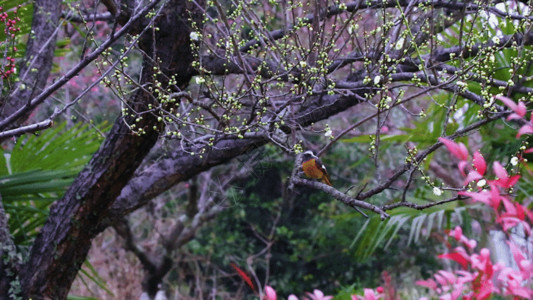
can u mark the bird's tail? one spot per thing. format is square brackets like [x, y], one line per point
[325, 180]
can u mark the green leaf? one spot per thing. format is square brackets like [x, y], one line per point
[376, 234]
[39, 171]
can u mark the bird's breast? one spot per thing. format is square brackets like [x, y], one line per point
[310, 169]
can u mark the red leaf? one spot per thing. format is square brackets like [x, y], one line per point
[457, 257]
[244, 276]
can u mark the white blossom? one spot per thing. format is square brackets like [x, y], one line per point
[194, 36]
[199, 80]
[437, 191]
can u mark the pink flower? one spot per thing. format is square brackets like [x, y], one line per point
[368, 295]
[270, 293]
[318, 295]
[292, 297]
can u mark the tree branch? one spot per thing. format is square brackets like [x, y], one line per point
[26, 129]
[421, 206]
[346, 199]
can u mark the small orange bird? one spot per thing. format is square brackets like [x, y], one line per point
[314, 168]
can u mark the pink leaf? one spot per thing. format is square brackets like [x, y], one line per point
[479, 163]
[520, 211]
[318, 295]
[509, 206]
[503, 178]
[471, 244]
[458, 150]
[519, 109]
[513, 180]
[445, 277]
[526, 129]
[472, 176]
[369, 295]
[485, 291]
[500, 172]
[483, 196]
[495, 197]
[528, 150]
[430, 283]
[517, 253]
[514, 116]
[523, 292]
[462, 166]
[508, 222]
[457, 257]
[457, 233]
[482, 262]
[527, 267]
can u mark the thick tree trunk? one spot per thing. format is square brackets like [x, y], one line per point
[65, 239]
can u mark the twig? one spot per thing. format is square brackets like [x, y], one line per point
[421, 206]
[421, 155]
[346, 199]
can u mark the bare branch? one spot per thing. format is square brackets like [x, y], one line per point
[107, 16]
[421, 206]
[346, 199]
[26, 129]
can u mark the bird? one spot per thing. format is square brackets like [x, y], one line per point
[314, 168]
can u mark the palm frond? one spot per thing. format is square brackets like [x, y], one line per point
[38, 171]
[376, 233]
